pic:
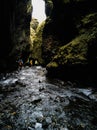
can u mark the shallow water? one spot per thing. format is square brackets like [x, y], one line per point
[30, 101]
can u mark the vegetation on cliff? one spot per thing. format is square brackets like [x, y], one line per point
[33, 26]
[82, 49]
[37, 43]
[70, 37]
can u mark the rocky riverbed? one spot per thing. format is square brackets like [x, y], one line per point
[31, 101]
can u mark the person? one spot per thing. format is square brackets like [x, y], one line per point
[20, 63]
[31, 62]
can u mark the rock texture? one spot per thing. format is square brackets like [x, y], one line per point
[70, 36]
[14, 30]
[37, 44]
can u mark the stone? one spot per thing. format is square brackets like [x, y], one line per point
[38, 125]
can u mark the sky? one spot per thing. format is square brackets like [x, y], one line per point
[38, 10]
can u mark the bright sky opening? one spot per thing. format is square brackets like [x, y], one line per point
[39, 10]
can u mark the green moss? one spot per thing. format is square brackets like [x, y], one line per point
[76, 33]
[34, 23]
[77, 51]
[29, 7]
[32, 34]
[88, 23]
[52, 64]
[74, 52]
[33, 26]
[37, 42]
[88, 19]
[66, 1]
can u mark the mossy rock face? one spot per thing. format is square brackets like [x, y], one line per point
[74, 52]
[82, 49]
[33, 26]
[49, 49]
[20, 34]
[37, 43]
[15, 40]
[78, 56]
[34, 23]
[32, 34]
[52, 64]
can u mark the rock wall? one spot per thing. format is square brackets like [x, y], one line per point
[69, 38]
[15, 31]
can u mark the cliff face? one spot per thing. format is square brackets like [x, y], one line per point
[37, 44]
[70, 36]
[15, 31]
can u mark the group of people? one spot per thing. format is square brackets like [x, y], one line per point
[21, 63]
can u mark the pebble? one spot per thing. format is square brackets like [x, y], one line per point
[38, 125]
[48, 120]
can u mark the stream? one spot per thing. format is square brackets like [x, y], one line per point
[31, 101]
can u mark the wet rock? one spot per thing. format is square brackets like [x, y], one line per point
[48, 120]
[38, 125]
[39, 81]
[64, 129]
[86, 92]
[66, 103]
[93, 96]
[30, 128]
[35, 101]
[41, 88]
[47, 105]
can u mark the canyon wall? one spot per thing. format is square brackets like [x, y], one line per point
[15, 32]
